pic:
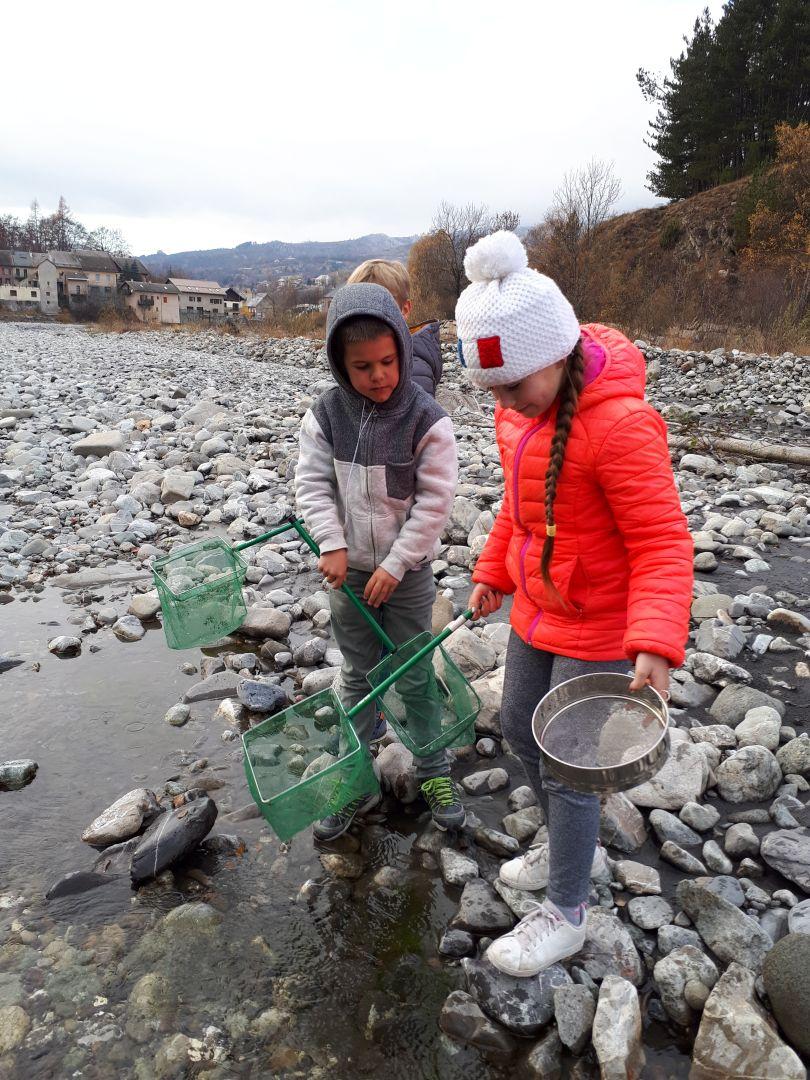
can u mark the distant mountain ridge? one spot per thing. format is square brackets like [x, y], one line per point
[250, 263]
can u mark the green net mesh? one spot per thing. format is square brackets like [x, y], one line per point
[430, 707]
[306, 763]
[200, 592]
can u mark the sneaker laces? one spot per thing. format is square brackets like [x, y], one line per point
[536, 855]
[439, 792]
[538, 924]
[350, 809]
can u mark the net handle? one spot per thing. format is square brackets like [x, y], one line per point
[427, 648]
[298, 526]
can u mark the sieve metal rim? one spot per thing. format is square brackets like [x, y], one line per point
[614, 686]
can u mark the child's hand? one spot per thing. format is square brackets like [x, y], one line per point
[484, 600]
[380, 586]
[334, 566]
[651, 670]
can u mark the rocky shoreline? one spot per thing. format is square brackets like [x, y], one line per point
[114, 448]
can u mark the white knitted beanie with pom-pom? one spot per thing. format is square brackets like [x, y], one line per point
[512, 321]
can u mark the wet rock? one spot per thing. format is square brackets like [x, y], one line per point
[481, 911]
[490, 690]
[456, 868]
[701, 818]
[259, 696]
[681, 858]
[310, 652]
[398, 772]
[617, 1030]
[177, 715]
[172, 1059]
[545, 1059]
[574, 1010]
[456, 943]
[609, 949]
[266, 623]
[222, 684]
[151, 1005]
[485, 781]
[672, 937]
[715, 859]
[144, 606]
[472, 655]
[733, 704]
[463, 1020]
[319, 680]
[123, 818]
[14, 1026]
[788, 851]
[682, 779]
[15, 775]
[731, 935]
[638, 878]
[673, 974]
[726, 887]
[794, 756]
[792, 621]
[524, 1006]
[496, 842]
[650, 912]
[760, 728]
[73, 884]
[621, 824]
[668, 827]
[735, 1037]
[748, 775]
[346, 865]
[786, 973]
[741, 840]
[65, 645]
[521, 798]
[799, 917]
[171, 837]
[128, 628]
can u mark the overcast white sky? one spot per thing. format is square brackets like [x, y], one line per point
[207, 124]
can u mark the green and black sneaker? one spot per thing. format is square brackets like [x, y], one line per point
[447, 809]
[336, 824]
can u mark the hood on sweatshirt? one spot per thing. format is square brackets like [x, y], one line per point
[351, 302]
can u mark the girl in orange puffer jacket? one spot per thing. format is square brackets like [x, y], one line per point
[590, 540]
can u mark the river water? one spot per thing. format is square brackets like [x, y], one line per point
[338, 980]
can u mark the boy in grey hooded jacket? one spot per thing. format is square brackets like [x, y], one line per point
[375, 483]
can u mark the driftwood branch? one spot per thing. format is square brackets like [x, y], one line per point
[753, 449]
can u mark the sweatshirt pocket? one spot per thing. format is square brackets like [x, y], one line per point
[400, 480]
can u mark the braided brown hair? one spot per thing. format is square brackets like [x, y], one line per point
[573, 378]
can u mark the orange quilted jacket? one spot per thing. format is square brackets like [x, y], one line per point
[623, 554]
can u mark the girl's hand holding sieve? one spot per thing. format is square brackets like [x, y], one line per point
[651, 670]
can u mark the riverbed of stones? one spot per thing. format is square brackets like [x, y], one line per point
[114, 449]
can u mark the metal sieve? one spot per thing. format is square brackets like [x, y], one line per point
[596, 736]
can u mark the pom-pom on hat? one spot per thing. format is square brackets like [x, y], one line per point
[512, 321]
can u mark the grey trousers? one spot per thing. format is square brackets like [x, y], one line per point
[406, 614]
[573, 818]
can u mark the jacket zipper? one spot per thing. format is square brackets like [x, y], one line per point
[516, 500]
[370, 443]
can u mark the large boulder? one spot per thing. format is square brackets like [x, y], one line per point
[750, 774]
[674, 972]
[786, 972]
[730, 934]
[733, 703]
[609, 949]
[266, 622]
[736, 1037]
[617, 1030]
[682, 779]
[481, 911]
[99, 444]
[788, 851]
[462, 1019]
[524, 1006]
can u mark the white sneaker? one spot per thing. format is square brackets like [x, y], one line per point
[530, 871]
[538, 941]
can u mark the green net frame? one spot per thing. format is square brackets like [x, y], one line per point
[200, 593]
[319, 723]
[431, 706]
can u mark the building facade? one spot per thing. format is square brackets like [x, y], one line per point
[151, 302]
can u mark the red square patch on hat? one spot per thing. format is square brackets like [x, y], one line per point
[489, 352]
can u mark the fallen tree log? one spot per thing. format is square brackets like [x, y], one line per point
[754, 449]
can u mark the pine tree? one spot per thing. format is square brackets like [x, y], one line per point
[727, 91]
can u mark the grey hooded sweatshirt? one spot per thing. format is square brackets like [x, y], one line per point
[376, 478]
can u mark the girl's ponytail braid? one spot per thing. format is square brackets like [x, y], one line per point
[569, 397]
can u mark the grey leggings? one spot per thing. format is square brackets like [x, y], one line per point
[573, 818]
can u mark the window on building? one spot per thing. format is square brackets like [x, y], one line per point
[98, 277]
[199, 309]
[33, 294]
[12, 292]
[165, 298]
